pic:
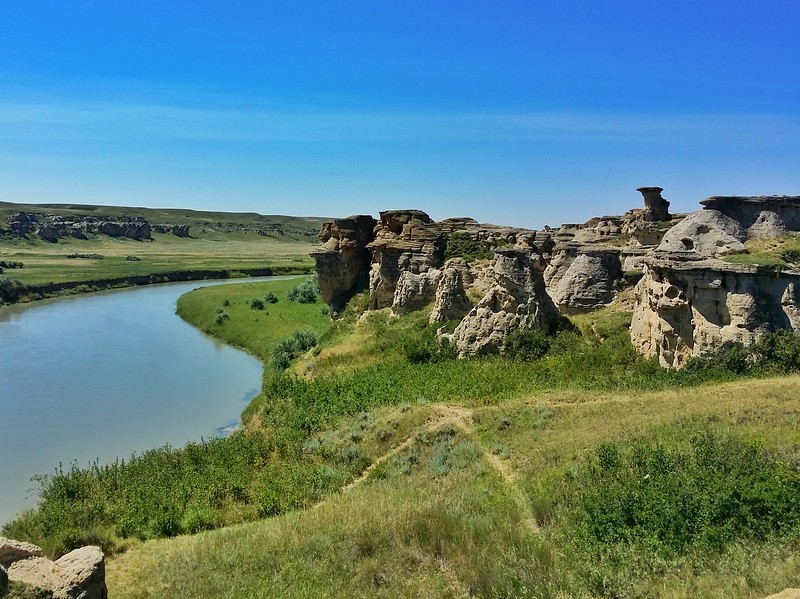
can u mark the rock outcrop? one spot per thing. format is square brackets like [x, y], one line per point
[52, 228]
[589, 261]
[451, 301]
[79, 574]
[176, 230]
[590, 281]
[343, 260]
[656, 208]
[406, 241]
[518, 300]
[690, 301]
[687, 309]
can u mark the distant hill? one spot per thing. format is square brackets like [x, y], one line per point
[291, 227]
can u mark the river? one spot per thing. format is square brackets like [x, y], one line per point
[103, 375]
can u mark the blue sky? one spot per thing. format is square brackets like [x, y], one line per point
[524, 113]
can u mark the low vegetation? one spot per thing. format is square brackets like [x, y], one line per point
[570, 467]
[461, 245]
[772, 253]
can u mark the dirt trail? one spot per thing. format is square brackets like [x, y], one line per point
[461, 418]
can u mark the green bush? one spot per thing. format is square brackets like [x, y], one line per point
[271, 298]
[461, 245]
[526, 345]
[775, 353]
[288, 348]
[221, 317]
[719, 489]
[257, 303]
[791, 256]
[306, 292]
[426, 347]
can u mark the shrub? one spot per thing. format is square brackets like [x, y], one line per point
[306, 292]
[288, 348]
[791, 256]
[526, 345]
[777, 352]
[720, 489]
[428, 348]
[257, 303]
[221, 316]
[271, 298]
[461, 245]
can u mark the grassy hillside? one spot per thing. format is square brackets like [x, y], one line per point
[478, 501]
[377, 465]
[219, 241]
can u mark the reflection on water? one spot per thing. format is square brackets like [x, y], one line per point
[106, 374]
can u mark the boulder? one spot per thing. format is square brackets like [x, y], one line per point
[786, 594]
[589, 282]
[11, 551]
[79, 574]
[703, 234]
[415, 290]
[517, 301]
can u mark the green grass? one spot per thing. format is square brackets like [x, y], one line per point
[440, 518]
[48, 263]
[472, 477]
[774, 253]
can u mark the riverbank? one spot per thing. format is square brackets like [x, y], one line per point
[14, 291]
[103, 375]
[431, 476]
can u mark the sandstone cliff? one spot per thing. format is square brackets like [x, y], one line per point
[401, 260]
[690, 301]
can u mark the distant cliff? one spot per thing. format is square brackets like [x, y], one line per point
[495, 280]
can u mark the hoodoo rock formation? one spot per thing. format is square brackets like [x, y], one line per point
[343, 260]
[401, 261]
[518, 300]
[589, 261]
[690, 301]
[408, 245]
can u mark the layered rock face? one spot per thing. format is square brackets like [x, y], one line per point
[79, 574]
[408, 245]
[343, 260]
[690, 301]
[51, 228]
[687, 309]
[517, 300]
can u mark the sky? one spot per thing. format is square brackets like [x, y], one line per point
[512, 112]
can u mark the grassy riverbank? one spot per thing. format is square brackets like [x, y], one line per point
[377, 465]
